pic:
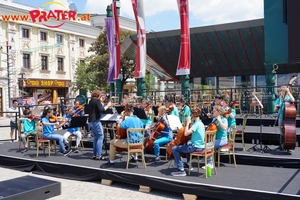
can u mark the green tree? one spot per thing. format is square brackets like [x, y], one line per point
[95, 68]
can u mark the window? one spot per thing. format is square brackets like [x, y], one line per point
[60, 64]
[25, 32]
[26, 61]
[44, 60]
[81, 62]
[59, 38]
[81, 42]
[43, 36]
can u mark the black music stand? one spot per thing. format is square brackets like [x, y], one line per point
[140, 113]
[255, 148]
[78, 121]
[120, 109]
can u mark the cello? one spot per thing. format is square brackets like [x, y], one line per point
[289, 121]
[180, 137]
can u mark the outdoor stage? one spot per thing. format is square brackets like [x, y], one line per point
[269, 175]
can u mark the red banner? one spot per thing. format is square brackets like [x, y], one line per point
[183, 67]
[117, 40]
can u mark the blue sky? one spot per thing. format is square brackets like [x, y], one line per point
[162, 15]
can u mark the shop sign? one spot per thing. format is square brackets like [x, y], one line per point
[46, 83]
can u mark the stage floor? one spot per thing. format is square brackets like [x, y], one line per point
[256, 180]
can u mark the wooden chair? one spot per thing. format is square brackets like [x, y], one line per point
[41, 140]
[134, 148]
[72, 138]
[209, 150]
[28, 137]
[239, 134]
[254, 103]
[228, 149]
[237, 98]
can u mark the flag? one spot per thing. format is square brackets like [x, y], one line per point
[109, 22]
[117, 40]
[183, 66]
[140, 67]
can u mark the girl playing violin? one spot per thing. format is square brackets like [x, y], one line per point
[221, 135]
[166, 134]
[79, 109]
[197, 132]
[232, 113]
[185, 111]
[148, 111]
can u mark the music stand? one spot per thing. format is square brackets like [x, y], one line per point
[265, 148]
[78, 121]
[120, 109]
[140, 113]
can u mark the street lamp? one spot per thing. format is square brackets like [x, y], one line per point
[21, 83]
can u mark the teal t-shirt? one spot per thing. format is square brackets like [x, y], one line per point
[174, 112]
[29, 127]
[198, 134]
[186, 111]
[221, 134]
[48, 130]
[232, 121]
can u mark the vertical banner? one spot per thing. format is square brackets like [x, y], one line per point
[140, 67]
[117, 40]
[183, 66]
[109, 22]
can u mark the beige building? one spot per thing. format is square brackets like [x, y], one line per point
[42, 59]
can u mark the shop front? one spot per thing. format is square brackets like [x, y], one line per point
[44, 91]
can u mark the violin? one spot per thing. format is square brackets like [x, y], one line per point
[53, 119]
[34, 117]
[80, 107]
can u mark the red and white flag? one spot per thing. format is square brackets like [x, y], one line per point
[117, 40]
[140, 67]
[183, 66]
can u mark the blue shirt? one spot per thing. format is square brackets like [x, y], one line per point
[221, 134]
[29, 127]
[167, 132]
[133, 122]
[198, 134]
[48, 130]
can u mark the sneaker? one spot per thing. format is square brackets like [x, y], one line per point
[76, 150]
[187, 166]
[25, 150]
[67, 152]
[210, 165]
[157, 159]
[178, 173]
[107, 165]
[132, 160]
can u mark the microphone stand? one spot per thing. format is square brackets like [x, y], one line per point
[265, 148]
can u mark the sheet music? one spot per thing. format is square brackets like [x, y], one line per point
[175, 123]
[110, 117]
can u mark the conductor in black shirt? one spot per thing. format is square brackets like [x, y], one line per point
[96, 108]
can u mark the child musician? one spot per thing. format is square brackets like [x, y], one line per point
[197, 132]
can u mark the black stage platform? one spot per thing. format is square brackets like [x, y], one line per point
[270, 175]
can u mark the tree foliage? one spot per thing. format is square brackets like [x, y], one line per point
[93, 73]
